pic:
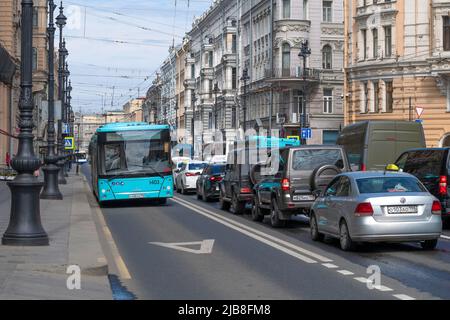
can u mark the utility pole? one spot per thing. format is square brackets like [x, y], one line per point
[51, 187]
[305, 52]
[25, 228]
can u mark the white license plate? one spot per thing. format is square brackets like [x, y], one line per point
[402, 209]
[304, 198]
[136, 196]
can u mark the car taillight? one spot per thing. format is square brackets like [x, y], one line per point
[285, 184]
[215, 179]
[246, 190]
[363, 167]
[364, 209]
[436, 208]
[443, 185]
[189, 174]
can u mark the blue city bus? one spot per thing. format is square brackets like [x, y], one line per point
[131, 161]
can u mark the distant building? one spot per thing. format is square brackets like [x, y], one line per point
[133, 111]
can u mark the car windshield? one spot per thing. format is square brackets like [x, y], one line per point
[389, 185]
[425, 164]
[217, 169]
[131, 151]
[310, 159]
[196, 166]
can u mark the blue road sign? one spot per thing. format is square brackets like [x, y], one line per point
[69, 143]
[419, 121]
[306, 133]
[65, 128]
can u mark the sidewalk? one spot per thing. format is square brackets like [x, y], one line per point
[40, 272]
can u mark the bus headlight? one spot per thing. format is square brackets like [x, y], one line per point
[103, 191]
[169, 187]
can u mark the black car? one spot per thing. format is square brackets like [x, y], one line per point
[298, 173]
[236, 188]
[431, 167]
[208, 182]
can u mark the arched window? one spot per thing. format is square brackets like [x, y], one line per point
[286, 60]
[327, 53]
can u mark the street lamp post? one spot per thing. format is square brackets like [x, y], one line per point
[245, 78]
[25, 228]
[305, 52]
[193, 100]
[51, 187]
[69, 114]
[66, 113]
[61, 22]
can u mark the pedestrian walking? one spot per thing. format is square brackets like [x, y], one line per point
[8, 160]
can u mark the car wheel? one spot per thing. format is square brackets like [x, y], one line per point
[256, 212]
[275, 220]
[224, 205]
[345, 239]
[429, 244]
[237, 206]
[199, 196]
[314, 228]
[205, 197]
[183, 190]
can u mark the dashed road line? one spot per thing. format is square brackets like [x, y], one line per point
[345, 272]
[445, 237]
[403, 297]
[330, 265]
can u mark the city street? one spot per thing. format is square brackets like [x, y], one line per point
[189, 249]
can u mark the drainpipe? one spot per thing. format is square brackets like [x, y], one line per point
[271, 67]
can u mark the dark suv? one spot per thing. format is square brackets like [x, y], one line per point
[431, 167]
[295, 180]
[236, 188]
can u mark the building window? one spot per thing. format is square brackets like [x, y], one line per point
[210, 120]
[35, 59]
[327, 101]
[365, 98]
[387, 41]
[327, 57]
[305, 10]
[233, 118]
[35, 17]
[193, 71]
[364, 38]
[286, 9]
[376, 96]
[330, 137]
[389, 96]
[286, 60]
[375, 43]
[210, 59]
[233, 44]
[298, 104]
[210, 88]
[327, 16]
[446, 33]
[234, 78]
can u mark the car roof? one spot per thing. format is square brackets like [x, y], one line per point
[375, 174]
[428, 149]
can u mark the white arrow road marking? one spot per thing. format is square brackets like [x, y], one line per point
[206, 246]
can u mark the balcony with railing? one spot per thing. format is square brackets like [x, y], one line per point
[293, 74]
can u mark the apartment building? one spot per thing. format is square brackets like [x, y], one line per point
[397, 61]
[168, 87]
[180, 94]
[152, 104]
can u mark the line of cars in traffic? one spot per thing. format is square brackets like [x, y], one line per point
[378, 184]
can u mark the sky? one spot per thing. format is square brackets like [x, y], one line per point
[116, 47]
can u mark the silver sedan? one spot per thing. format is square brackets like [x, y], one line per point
[376, 207]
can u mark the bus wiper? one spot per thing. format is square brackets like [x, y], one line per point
[123, 173]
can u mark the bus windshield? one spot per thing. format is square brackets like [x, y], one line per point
[129, 152]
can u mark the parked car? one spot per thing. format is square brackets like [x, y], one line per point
[177, 165]
[188, 175]
[290, 189]
[377, 207]
[371, 145]
[431, 167]
[208, 182]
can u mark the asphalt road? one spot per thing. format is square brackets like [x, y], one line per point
[242, 259]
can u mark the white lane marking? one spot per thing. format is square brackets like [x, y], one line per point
[346, 272]
[252, 235]
[445, 237]
[257, 232]
[367, 281]
[206, 246]
[330, 265]
[361, 279]
[383, 288]
[403, 297]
